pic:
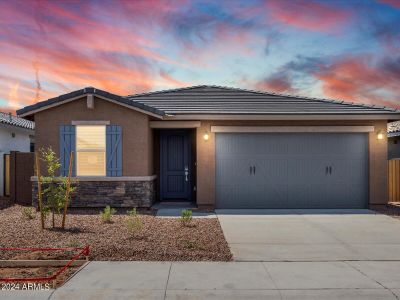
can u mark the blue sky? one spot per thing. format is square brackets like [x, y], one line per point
[346, 50]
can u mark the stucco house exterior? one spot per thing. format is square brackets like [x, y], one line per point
[218, 147]
[16, 134]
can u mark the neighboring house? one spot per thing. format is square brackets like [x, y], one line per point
[219, 147]
[16, 134]
[394, 140]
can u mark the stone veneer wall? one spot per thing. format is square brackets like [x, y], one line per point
[113, 193]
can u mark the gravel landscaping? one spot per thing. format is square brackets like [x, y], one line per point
[160, 239]
[35, 272]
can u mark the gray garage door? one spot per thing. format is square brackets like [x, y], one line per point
[291, 170]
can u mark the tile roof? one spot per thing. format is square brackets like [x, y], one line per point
[393, 129]
[206, 99]
[214, 100]
[9, 119]
[85, 91]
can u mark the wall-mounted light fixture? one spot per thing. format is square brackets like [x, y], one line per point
[206, 136]
[380, 135]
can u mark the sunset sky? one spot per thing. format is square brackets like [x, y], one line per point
[347, 50]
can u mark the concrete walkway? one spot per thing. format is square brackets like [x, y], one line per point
[231, 280]
[310, 235]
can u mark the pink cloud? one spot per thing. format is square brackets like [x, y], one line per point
[394, 3]
[279, 83]
[356, 79]
[307, 15]
[68, 49]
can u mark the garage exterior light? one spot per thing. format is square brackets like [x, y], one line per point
[380, 135]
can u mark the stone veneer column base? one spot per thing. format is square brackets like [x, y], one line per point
[113, 192]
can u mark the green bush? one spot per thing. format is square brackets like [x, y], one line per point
[186, 217]
[28, 213]
[107, 213]
[133, 223]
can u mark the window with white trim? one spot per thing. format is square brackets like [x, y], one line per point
[91, 150]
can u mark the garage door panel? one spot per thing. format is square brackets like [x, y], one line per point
[306, 169]
[271, 170]
[297, 146]
[291, 170]
[233, 170]
[262, 144]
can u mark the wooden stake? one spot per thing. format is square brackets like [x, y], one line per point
[39, 183]
[71, 158]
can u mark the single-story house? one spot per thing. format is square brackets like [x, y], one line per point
[16, 134]
[394, 140]
[219, 147]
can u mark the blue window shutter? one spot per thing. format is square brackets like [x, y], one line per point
[67, 145]
[114, 150]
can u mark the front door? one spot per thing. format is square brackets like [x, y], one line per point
[175, 165]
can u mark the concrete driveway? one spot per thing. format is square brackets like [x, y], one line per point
[310, 235]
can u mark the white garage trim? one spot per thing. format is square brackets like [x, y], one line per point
[250, 129]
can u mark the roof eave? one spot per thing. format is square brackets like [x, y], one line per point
[17, 127]
[284, 116]
[52, 102]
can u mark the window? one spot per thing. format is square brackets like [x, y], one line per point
[90, 150]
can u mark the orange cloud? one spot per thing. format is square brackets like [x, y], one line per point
[73, 49]
[354, 78]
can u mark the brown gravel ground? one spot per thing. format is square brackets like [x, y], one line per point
[161, 239]
[36, 272]
[391, 209]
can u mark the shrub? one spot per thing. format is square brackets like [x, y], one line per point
[133, 223]
[132, 212]
[186, 217]
[107, 214]
[191, 245]
[28, 213]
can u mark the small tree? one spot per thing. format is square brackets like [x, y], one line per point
[133, 222]
[56, 186]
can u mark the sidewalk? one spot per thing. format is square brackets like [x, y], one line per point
[228, 280]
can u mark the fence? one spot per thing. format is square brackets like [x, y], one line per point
[394, 180]
[21, 170]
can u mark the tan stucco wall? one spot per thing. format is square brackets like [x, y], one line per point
[206, 156]
[378, 165]
[137, 142]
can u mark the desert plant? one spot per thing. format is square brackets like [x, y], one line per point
[191, 245]
[56, 186]
[28, 213]
[132, 212]
[107, 213]
[133, 223]
[186, 217]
